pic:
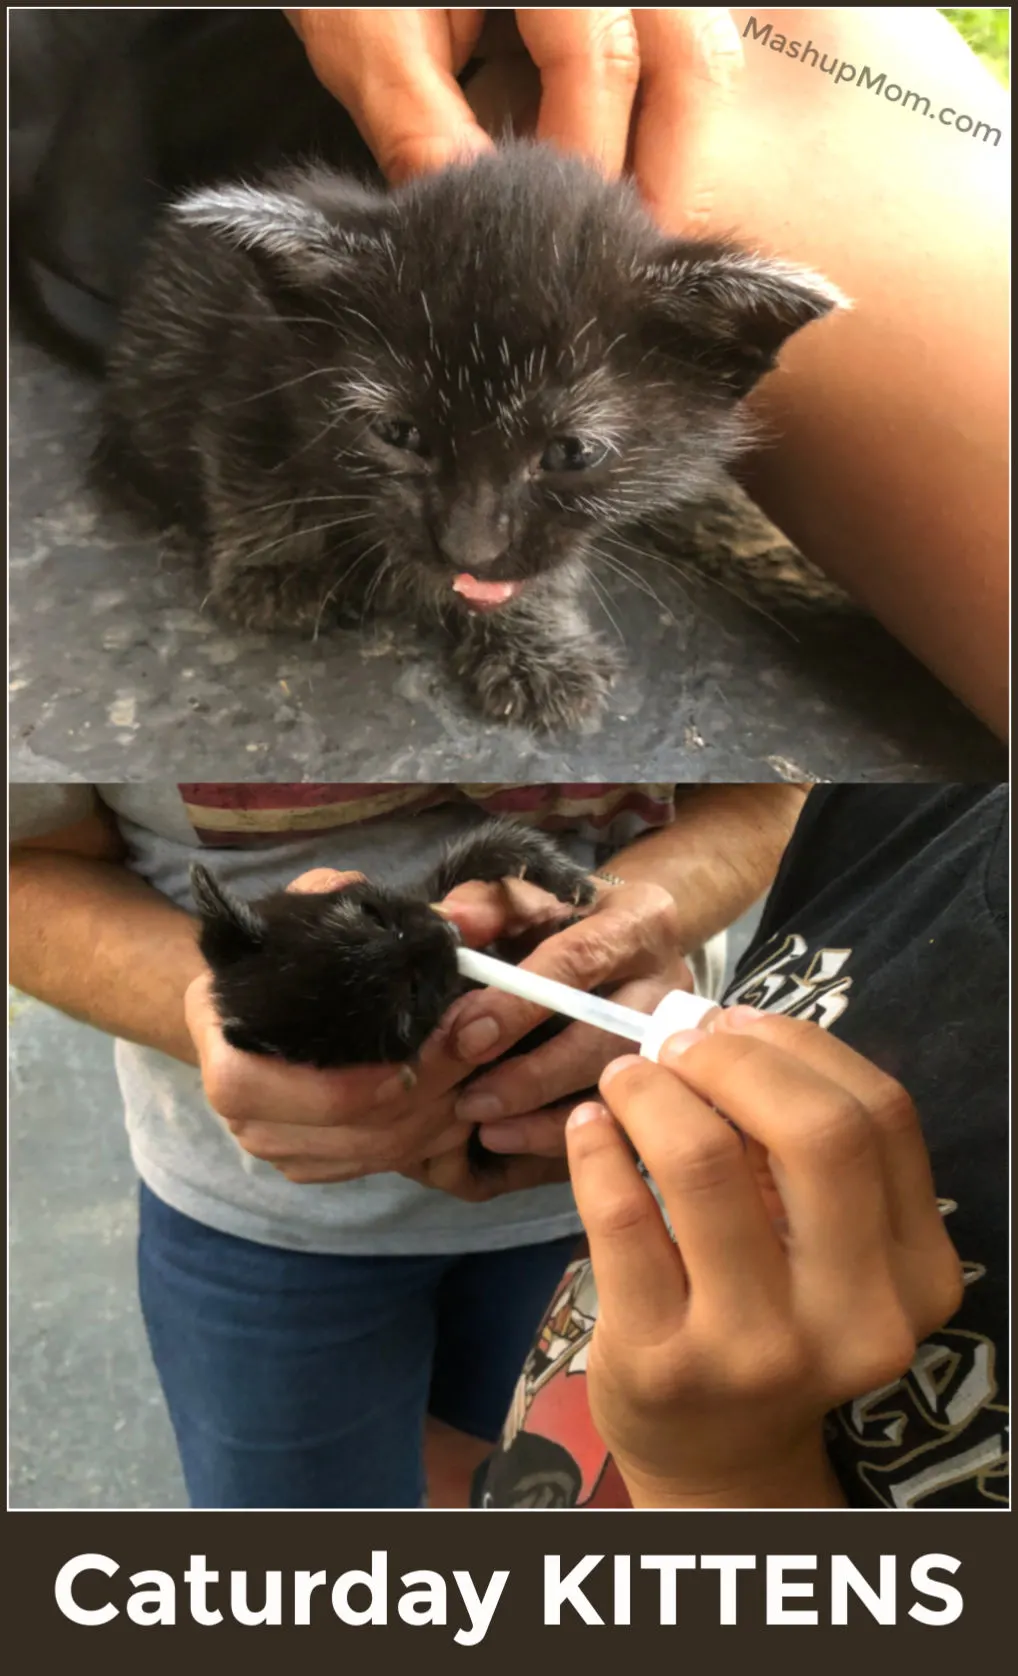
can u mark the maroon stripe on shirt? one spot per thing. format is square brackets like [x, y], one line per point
[246, 815]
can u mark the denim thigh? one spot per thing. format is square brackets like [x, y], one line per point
[302, 1379]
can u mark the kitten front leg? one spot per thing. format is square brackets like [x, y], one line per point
[502, 849]
[537, 662]
[268, 575]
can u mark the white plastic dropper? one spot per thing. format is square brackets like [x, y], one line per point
[677, 1011]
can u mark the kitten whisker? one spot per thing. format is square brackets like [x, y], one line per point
[711, 578]
[632, 577]
[296, 501]
[602, 599]
[302, 530]
[331, 592]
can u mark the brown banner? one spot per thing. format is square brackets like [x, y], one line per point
[493, 1586]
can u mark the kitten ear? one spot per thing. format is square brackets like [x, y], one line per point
[738, 307]
[230, 928]
[303, 243]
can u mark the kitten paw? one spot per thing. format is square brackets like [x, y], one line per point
[564, 691]
[558, 874]
[269, 601]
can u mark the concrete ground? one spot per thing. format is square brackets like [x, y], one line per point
[116, 672]
[87, 1424]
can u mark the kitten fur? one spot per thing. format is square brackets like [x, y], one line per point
[363, 975]
[360, 975]
[351, 400]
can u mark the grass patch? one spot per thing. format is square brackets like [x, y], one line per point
[987, 29]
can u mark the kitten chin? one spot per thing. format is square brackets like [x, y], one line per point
[437, 400]
[363, 975]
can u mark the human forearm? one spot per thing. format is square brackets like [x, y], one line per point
[95, 941]
[719, 854]
[887, 455]
[807, 1479]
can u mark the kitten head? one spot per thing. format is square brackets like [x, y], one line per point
[493, 363]
[368, 973]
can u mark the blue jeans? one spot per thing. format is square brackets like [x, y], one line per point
[296, 1379]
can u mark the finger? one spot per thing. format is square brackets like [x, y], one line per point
[540, 1133]
[589, 61]
[569, 1064]
[454, 1175]
[732, 1255]
[908, 1178]
[361, 1148]
[612, 944]
[321, 879]
[823, 1154]
[641, 1285]
[692, 59]
[395, 73]
[519, 1174]
[239, 1085]
[487, 913]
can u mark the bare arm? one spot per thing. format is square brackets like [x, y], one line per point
[719, 854]
[890, 461]
[94, 940]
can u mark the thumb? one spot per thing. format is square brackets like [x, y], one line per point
[485, 913]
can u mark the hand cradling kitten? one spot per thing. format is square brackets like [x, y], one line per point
[363, 975]
[437, 401]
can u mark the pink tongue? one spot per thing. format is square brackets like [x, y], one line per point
[484, 594]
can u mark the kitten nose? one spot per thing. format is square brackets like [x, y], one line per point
[472, 534]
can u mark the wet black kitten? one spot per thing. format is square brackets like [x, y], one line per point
[361, 975]
[436, 400]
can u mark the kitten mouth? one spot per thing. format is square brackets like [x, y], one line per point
[484, 596]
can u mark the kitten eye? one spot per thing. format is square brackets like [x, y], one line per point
[571, 453]
[373, 917]
[400, 433]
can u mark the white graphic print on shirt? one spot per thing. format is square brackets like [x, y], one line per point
[938, 1426]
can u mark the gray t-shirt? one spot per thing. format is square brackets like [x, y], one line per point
[181, 1149]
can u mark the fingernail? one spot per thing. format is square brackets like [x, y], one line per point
[478, 1108]
[737, 1018]
[404, 1080]
[589, 1112]
[617, 1066]
[679, 1043]
[503, 1137]
[476, 1038]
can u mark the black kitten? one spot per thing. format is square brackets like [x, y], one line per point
[361, 975]
[436, 400]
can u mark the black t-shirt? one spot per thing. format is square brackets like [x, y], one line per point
[887, 924]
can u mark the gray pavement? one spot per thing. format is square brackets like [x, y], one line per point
[114, 667]
[87, 1423]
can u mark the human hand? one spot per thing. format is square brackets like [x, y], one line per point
[807, 1264]
[629, 944]
[450, 1171]
[320, 1126]
[625, 88]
